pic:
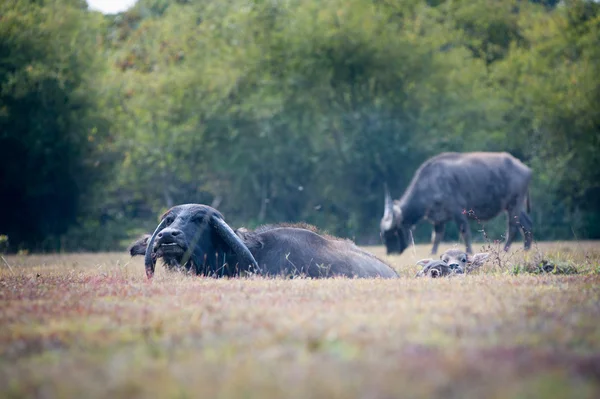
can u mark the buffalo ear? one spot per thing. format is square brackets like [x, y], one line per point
[139, 247]
[477, 260]
[425, 262]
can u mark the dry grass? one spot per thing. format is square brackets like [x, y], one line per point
[92, 326]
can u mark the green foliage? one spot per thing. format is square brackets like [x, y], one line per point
[290, 110]
[545, 267]
[3, 243]
[50, 125]
[553, 85]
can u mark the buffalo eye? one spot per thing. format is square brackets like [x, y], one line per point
[169, 219]
[198, 218]
[464, 260]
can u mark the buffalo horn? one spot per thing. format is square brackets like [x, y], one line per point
[388, 212]
[149, 262]
[236, 244]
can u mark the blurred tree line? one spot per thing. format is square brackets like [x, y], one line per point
[286, 110]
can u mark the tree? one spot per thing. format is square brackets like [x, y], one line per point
[553, 87]
[50, 127]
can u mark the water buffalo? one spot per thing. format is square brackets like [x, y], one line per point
[452, 262]
[195, 238]
[452, 186]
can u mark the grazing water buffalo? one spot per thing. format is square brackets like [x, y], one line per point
[452, 262]
[450, 186]
[195, 238]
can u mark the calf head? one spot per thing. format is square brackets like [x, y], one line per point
[190, 236]
[434, 268]
[453, 261]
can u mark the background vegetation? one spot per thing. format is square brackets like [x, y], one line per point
[286, 110]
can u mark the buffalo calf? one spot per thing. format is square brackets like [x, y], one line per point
[451, 262]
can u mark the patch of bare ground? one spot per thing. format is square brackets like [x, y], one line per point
[90, 325]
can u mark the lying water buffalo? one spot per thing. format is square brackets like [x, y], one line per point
[450, 186]
[195, 238]
[452, 262]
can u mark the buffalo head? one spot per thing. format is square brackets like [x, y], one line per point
[193, 237]
[453, 261]
[394, 234]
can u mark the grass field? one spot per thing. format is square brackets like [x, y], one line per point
[90, 325]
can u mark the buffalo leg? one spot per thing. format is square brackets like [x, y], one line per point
[512, 230]
[465, 230]
[438, 234]
[526, 228]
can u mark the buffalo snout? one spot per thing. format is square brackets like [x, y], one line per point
[169, 235]
[170, 242]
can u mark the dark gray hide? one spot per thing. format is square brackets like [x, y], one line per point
[455, 186]
[196, 239]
